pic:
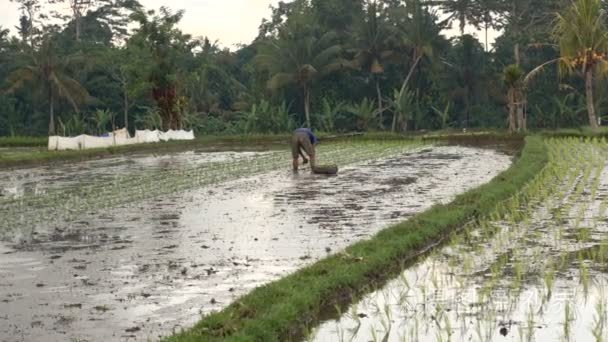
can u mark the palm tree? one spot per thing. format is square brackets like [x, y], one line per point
[513, 76]
[419, 35]
[462, 11]
[372, 47]
[581, 32]
[483, 16]
[299, 57]
[48, 72]
[3, 34]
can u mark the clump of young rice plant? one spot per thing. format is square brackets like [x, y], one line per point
[584, 277]
[600, 319]
[530, 324]
[568, 318]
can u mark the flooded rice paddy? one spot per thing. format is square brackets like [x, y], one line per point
[171, 241]
[538, 273]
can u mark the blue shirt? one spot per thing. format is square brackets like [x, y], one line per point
[313, 139]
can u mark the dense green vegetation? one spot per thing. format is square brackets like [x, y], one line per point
[286, 309]
[335, 65]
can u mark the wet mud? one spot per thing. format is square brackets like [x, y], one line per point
[144, 270]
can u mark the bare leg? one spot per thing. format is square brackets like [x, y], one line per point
[312, 158]
[295, 164]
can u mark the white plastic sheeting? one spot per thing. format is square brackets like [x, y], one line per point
[120, 133]
[117, 138]
[176, 135]
[147, 136]
[65, 143]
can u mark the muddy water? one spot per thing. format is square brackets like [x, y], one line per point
[140, 271]
[38, 180]
[543, 279]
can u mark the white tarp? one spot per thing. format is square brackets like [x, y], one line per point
[120, 133]
[97, 142]
[117, 138]
[65, 143]
[176, 135]
[147, 136]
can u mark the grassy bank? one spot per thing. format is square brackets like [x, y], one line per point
[285, 309]
[582, 132]
[23, 141]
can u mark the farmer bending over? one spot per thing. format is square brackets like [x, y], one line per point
[303, 141]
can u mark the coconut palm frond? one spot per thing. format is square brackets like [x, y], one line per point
[18, 77]
[534, 72]
[327, 55]
[70, 89]
[280, 80]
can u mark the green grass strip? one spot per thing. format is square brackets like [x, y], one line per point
[19, 141]
[285, 310]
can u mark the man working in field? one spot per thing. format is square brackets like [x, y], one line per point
[303, 141]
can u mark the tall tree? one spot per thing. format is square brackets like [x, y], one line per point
[466, 61]
[29, 15]
[582, 35]
[338, 15]
[484, 16]
[372, 47]
[129, 66]
[462, 11]
[48, 73]
[166, 44]
[513, 78]
[525, 20]
[418, 35]
[112, 14]
[298, 57]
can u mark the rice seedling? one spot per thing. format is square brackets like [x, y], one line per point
[530, 325]
[549, 277]
[584, 277]
[448, 327]
[599, 320]
[568, 318]
[373, 334]
[518, 270]
[339, 332]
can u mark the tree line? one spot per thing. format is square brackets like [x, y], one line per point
[333, 65]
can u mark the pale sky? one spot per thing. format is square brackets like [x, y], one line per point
[228, 21]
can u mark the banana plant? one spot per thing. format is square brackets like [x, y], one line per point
[329, 111]
[402, 105]
[366, 114]
[443, 114]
